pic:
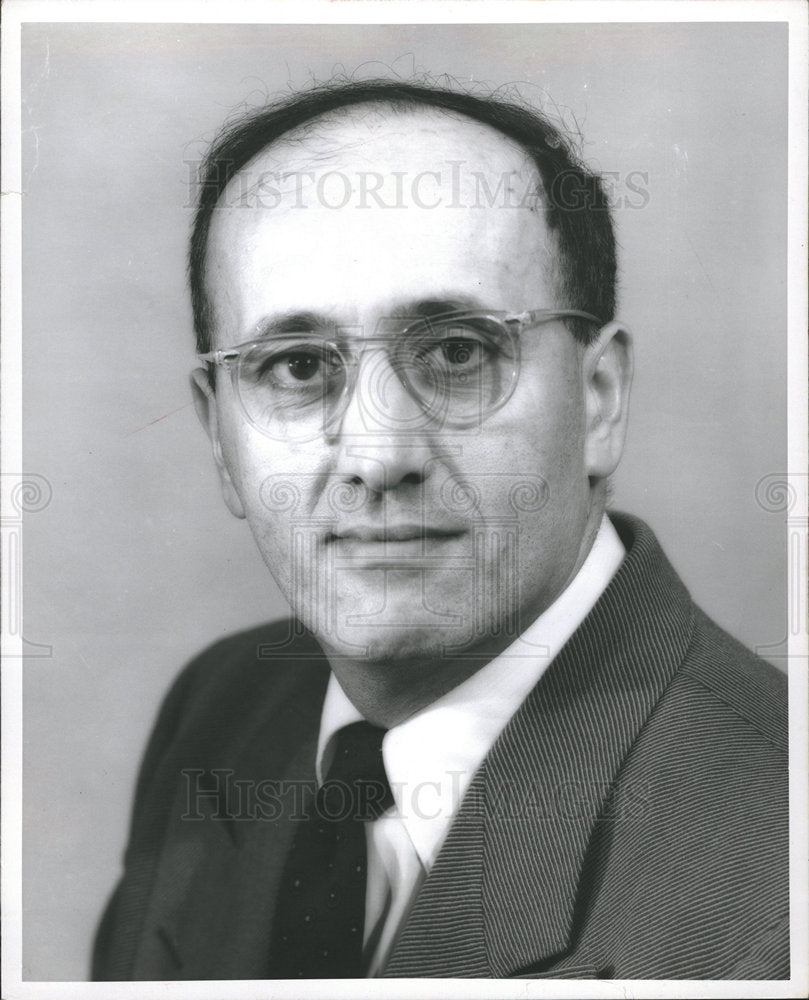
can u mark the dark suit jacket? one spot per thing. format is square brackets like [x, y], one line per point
[630, 821]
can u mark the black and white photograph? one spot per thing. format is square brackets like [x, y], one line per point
[404, 499]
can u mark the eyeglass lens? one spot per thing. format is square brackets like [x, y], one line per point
[457, 370]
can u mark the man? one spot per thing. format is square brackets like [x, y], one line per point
[415, 392]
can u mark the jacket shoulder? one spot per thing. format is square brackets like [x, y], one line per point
[226, 690]
[240, 672]
[269, 649]
[731, 675]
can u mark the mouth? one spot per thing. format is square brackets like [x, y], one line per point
[392, 545]
[391, 533]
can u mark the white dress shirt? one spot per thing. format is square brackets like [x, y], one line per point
[432, 757]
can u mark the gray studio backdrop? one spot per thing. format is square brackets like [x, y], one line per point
[134, 564]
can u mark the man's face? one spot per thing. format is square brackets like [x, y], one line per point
[393, 544]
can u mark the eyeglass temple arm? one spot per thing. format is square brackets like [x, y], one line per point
[217, 357]
[533, 317]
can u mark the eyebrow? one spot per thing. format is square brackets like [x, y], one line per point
[425, 308]
[294, 321]
[303, 321]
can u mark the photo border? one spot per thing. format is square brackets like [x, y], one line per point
[18, 12]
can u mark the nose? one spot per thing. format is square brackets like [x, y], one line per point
[382, 439]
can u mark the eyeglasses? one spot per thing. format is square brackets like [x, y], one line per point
[460, 367]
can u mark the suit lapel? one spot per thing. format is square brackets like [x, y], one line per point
[506, 895]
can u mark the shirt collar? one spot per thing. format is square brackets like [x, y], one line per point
[431, 757]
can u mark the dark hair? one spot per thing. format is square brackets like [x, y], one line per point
[577, 209]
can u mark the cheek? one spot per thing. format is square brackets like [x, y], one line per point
[544, 437]
[550, 419]
[278, 486]
[535, 474]
[275, 506]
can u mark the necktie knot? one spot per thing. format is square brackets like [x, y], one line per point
[356, 786]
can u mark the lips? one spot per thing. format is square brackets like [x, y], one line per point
[391, 533]
[392, 546]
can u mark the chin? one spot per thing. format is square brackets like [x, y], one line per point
[398, 618]
[396, 643]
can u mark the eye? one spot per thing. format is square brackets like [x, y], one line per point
[297, 366]
[459, 354]
[304, 367]
[462, 352]
[457, 366]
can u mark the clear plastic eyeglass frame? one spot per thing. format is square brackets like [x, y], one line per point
[506, 325]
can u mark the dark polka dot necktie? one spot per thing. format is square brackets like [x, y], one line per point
[320, 914]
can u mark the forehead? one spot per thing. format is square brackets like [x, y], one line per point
[378, 207]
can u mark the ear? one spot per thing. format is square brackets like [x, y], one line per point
[205, 405]
[608, 368]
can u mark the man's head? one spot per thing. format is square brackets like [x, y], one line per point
[404, 538]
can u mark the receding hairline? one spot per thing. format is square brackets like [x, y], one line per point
[299, 150]
[578, 215]
[382, 108]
